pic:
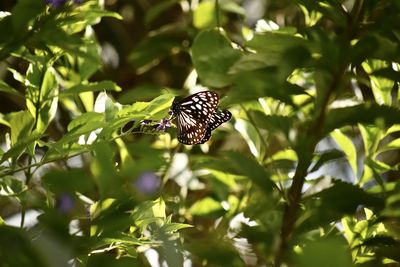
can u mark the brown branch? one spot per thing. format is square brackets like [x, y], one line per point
[308, 140]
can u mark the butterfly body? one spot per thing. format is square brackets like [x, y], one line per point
[197, 116]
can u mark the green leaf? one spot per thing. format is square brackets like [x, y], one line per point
[158, 208]
[331, 10]
[251, 136]
[142, 92]
[102, 168]
[155, 110]
[173, 227]
[160, 105]
[336, 201]
[110, 217]
[125, 239]
[11, 186]
[233, 7]
[7, 29]
[81, 130]
[154, 48]
[263, 83]
[71, 181]
[143, 215]
[21, 78]
[387, 72]
[157, 9]
[214, 249]
[250, 168]
[285, 51]
[374, 45]
[21, 124]
[41, 95]
[148, 160]
[94, 11]
[104, 104]
[106, 259]
[212, 56]
[204, 16]
[92, 87]
[384, 246]
[206, 207]
[326, 157]
[272, 123]
[48, 101]
[293, 58]
[4, 87]
[371, 136]
[271, 46]
[19, 247]
[20, 147]
[392, 145]
[54, 35]
[348, 148]
[24, 13]
[225, 178]
[136, 109]
[326, 251]
[381, 87]
[84, 119]
[381, 116]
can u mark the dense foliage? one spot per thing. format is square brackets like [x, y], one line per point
[304, 174]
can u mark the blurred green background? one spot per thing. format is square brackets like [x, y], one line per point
[304, 174]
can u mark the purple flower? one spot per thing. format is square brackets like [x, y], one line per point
[58, 3]
[65, 203]
[163, 125]
[148, 183]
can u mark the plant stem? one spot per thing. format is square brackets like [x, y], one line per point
[307, 140]
[217, 14]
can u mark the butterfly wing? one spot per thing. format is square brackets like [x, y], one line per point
[199, 106]
[190, 131]
[215, 121]
[193, 114]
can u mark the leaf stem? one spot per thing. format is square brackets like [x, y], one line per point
[306, 145]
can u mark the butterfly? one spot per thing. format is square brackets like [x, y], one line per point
[197, 116]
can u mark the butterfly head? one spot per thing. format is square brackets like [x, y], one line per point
[175, 106]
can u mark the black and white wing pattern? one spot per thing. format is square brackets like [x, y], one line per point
[216, 120]
[193, 114]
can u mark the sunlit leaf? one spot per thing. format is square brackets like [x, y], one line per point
[21, 124]
[325, 251]
[205, 207]
[15, 151]
[92, 87]
[204, 16]
[103, 171]
[348, 149]
[213, 67]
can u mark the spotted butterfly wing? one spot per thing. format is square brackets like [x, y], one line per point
[193, 114]
[216, 120]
